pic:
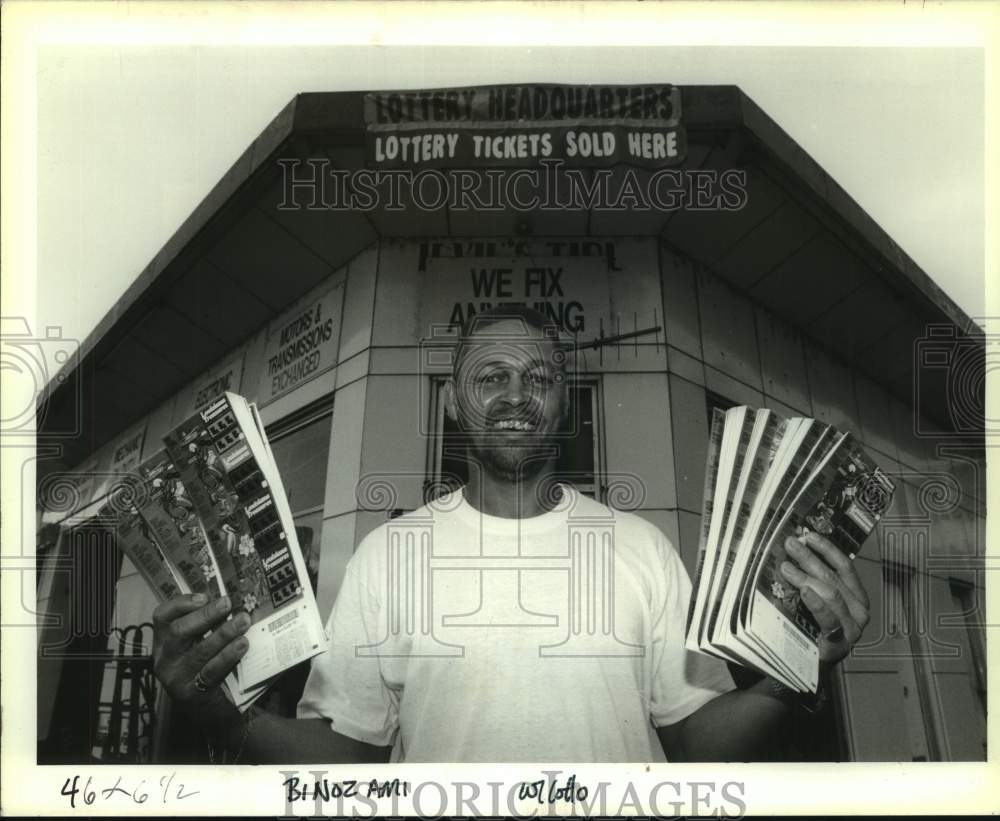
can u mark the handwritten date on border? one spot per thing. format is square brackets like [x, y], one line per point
[165, 789]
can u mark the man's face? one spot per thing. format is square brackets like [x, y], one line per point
[509, 396]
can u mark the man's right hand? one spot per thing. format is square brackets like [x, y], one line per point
[192, 638]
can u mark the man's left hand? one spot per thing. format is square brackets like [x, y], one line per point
[831, 589]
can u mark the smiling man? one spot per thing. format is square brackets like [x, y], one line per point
[549, 629]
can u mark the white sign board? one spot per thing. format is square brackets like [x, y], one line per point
[302, 343]
[589, 286]
[227, 377]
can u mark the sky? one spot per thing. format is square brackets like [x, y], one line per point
[131, 138]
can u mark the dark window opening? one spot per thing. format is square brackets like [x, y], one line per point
[969, 603]
[83, 601]
[715, 401]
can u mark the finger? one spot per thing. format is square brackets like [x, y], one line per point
[809, 561]
[194, 625]
[837, 559]
[216, 641]
[829, 618]
[824, 601]
[216, 670]
[816, 567]
[173, 609]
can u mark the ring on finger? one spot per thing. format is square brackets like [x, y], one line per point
[836, 635]
[199, 683]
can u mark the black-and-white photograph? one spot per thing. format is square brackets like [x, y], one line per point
[395, 403]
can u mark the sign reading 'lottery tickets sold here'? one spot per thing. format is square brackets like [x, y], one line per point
[519, 126]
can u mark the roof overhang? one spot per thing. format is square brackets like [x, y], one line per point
[801, 247]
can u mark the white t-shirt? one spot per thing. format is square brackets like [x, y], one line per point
[458, 636]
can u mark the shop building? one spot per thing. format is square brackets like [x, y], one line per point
[750, 278]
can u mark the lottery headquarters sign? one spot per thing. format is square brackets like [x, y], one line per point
[518, 126]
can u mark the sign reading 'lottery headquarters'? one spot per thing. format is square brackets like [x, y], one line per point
[519, 126]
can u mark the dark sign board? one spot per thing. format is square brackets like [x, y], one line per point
[519, 126]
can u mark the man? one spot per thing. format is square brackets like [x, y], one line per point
[500, 653]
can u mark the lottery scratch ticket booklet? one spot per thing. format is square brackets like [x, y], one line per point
[768, 478]
[211, 516]
[225, 462]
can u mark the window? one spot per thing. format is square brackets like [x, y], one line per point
[967, 601]
[72, 650]
[301, 447]
[905, 606]
[940, 620]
